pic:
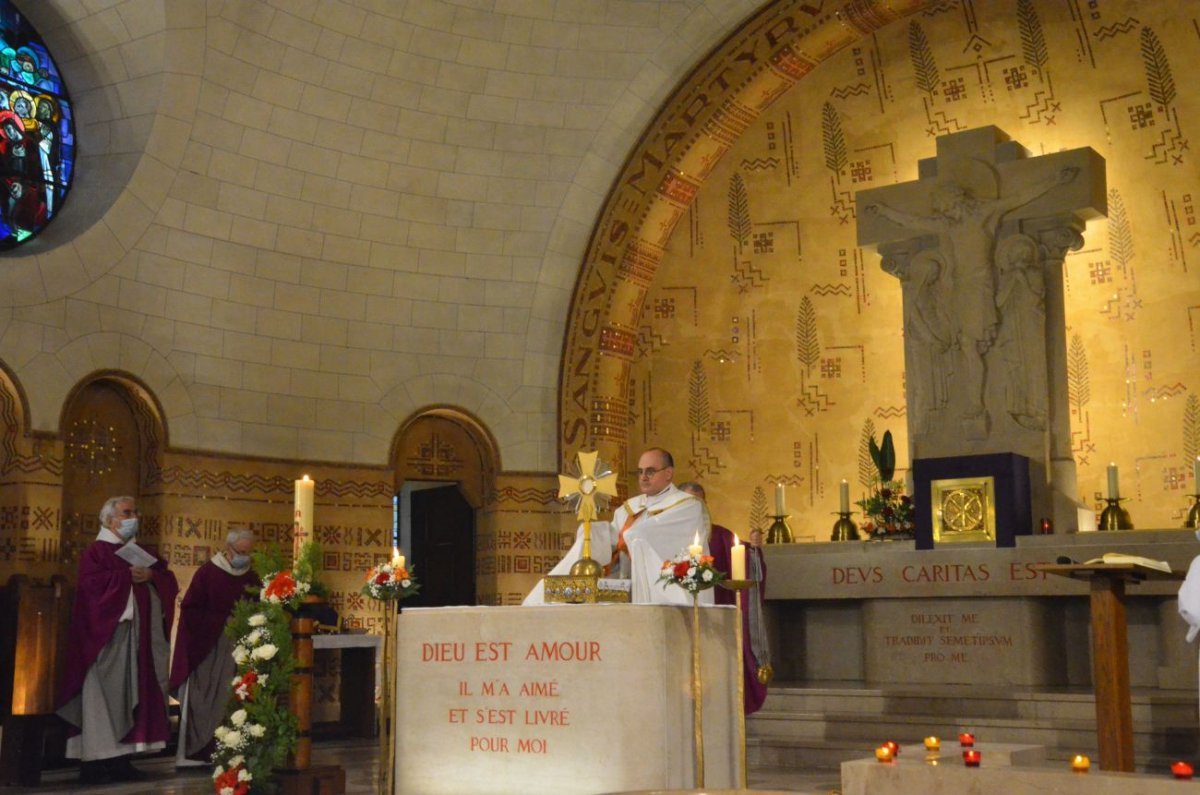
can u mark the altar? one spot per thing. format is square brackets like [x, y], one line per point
[563, 699]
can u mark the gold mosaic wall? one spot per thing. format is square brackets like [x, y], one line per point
[744, 329]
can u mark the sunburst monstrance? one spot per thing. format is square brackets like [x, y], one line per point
[594, 481]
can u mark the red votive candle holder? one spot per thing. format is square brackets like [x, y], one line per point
[893, 746]
[971, 758]
[1181, 770]
[966, 740]
[883, 753]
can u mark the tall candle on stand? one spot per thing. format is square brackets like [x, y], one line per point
[1114, 488]
[844, 493]
[302, 526]
[737, 560]
[779, 499]
[695, 549]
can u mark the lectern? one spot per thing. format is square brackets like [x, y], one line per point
[1110, 652]
[562, 699]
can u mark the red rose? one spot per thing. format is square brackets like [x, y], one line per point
[282, 586]
[681, 569]
[381, 578]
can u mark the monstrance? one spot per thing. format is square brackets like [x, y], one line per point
[594, 480]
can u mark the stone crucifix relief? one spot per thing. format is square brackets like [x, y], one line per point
[978, 243]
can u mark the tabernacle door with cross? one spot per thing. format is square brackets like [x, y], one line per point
[978, 242]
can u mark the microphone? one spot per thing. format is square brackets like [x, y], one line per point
[1063, 560]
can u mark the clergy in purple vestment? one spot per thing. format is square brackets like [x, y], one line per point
[114, 685]
[203, 668]
[720, 541]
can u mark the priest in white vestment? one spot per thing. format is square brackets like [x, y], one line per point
[658, 524]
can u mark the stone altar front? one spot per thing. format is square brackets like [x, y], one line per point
[562, 699]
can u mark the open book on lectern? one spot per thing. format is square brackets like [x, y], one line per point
[1118, 558]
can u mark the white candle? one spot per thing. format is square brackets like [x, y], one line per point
[1114, 489]
[779, 499]
[737, 560]
[1196, 475]
[302, 519]
[695, 549]
[397, 558]
[844, 493]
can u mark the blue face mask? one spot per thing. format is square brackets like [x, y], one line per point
[128, 528]
[239, 560]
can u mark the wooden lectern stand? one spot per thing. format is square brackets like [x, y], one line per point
[1110, 652]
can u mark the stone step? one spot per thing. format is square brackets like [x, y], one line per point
[804, 725]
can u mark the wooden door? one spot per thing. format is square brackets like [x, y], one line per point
[443, 547]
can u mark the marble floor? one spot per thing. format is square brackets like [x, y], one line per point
[360, 760]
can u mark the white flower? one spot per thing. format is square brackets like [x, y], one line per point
[258, 620]
[236, 760]
[240, 655]
[244, 775]
[217, 771]
[238, 718]
[233, 739]
[264, 652]
[237, 680]
[691, 571]
[220, 733]
[256, 729]
[405, 583]
[253, 638]
[262, 680]
[708, 575]
[226, 790]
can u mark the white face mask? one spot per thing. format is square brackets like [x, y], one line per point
[128, 528]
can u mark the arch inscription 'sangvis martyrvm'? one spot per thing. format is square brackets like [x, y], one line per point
[765, 58]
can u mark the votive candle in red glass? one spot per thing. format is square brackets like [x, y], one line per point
[893, 746]
[966, 740]
[1181, 770]
[971, 758]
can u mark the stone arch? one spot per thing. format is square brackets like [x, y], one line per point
[713, 106]
[113, 438]
[447, 443]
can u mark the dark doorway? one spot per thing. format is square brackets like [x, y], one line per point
[443, 547]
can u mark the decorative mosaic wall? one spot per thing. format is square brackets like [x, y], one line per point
[767, 346]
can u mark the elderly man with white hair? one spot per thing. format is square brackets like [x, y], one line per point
[203, 666]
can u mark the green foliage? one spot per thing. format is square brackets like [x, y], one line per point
[268, 559]
[884, 456]
[307, 565]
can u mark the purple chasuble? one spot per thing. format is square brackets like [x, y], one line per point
[205, 609]
[719, 544]
[101, 595]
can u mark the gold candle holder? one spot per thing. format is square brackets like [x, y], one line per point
[1193, 517]
[1114, 517]
[844, 529]
[387, 670]
[737, 586]
[780, 533]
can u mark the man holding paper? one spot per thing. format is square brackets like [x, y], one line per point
[113, 689]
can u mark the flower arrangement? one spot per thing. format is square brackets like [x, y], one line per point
[887, 511]
[258, 731]
[692, 571]
[390, 581]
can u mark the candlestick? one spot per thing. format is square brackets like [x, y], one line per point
[779, 511]
[695, 549]
[1114, 487]
[844, 494]
[302, 519]
[737, 560]
[1080, 763]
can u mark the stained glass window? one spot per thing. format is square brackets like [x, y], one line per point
[37, 132]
